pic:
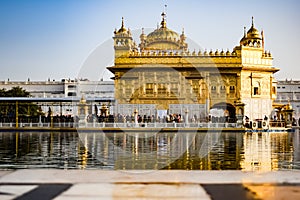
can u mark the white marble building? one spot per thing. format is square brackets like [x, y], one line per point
[288, 91]
[65, 88]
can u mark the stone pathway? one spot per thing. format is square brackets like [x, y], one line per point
[163, 184]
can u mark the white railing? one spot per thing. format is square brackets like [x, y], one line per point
[124, 125]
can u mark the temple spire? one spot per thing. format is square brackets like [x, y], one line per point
[122, 26]
[122, 29]
[163, 22]
[164, 15]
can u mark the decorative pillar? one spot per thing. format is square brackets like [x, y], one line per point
[40, 121]
[40, 116]
[239, 112]
[155, 89]
[186, 117]
[104, 111]
[288, 115]
[82, 112]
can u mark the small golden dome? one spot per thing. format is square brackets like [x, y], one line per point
[122, 29]
[253, 33]
[252, 38]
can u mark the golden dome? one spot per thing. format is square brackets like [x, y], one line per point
[253, 33]
[163, 34]
[163, 38]
[252, 38]
[122, 29]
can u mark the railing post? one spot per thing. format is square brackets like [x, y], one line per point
[40, 121]
[51, 121]
[17, 114]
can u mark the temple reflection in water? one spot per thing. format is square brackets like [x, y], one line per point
[263, 151]
[146, 150]
[195, 151]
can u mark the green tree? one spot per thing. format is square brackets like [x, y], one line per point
[17, 92]
[3, 92]
[26, 110]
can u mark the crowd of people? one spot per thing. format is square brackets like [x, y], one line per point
[38, 119]
[118, 118]
[170, 118]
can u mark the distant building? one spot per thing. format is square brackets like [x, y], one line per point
[64, 89]
[288, 91]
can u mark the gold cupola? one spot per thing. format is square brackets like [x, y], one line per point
[122, 29]
[162, 38]
[252, 38]
[253, 33]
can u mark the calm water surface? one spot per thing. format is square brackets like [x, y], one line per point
[194, 151]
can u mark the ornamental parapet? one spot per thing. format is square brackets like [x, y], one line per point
[156, 53]
[211, 53]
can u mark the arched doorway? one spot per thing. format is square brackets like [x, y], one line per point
[223, 112]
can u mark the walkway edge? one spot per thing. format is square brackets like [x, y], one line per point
[148, 176]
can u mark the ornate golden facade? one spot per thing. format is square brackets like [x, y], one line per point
[162, 72]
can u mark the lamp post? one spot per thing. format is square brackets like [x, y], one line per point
[17, 114]
[39, 110]
[186, 117]
[135, 116]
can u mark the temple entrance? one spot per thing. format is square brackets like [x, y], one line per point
[223, 112]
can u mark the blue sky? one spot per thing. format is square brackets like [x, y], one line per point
[54, 38]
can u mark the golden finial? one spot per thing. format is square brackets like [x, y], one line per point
[252, 21]
[182, 36]
[244, 31]
[122, 29]
[122, 26]
[163, 22]
[164, 14]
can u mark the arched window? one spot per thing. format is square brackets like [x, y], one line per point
[256, 88]
[222, 88]
[213, 89]
[273, 90]
[232, 89]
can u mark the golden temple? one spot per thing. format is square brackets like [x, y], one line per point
[162, 74]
